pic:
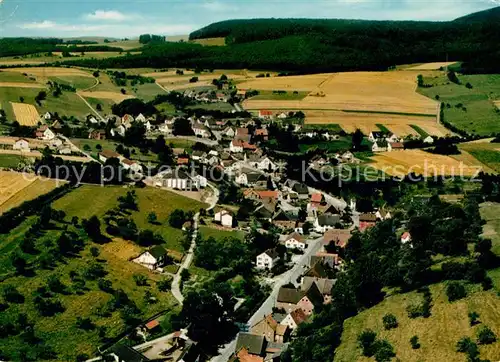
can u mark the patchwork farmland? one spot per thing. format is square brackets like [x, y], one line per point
[353, 100]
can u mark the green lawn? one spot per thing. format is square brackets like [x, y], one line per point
[88, 200]
[136, 154]
[343, 144]
[10, 161]
[6, 76]
[481, 116]
[330, 127]
[207, 232]
[288, 96]
[59, 332]
[419, 130]
[383, 128]
[219, 106]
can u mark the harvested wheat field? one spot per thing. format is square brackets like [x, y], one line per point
[15, 188]
[20, 85]
[26, 114]
[497, 103]
[401, 163]
[355, 91]
[33, 190]
[367, 122]
[113, 96]
[431, 66]
[51, 71]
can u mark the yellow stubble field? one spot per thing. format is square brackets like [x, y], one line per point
[15, 188]
[354, 100]
[26, 114]
[112, 96]
[52, 71]
[401, 163]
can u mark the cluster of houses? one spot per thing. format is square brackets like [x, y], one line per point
[295, 303]
[388, 142]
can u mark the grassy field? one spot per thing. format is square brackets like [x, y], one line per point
[480, 116]
[210, 41]
[60, 332]
[111, 145]
[419, 130]
[485, 152]
[344, 143]
[437, 334]
[207, 232]
[219, 106]
[94, 200]
[288, 96]
[10, 161]
[490, 212]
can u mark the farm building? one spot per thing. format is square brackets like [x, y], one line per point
[44, 133]
[265, 114]
[152, 259]
[22, 145]
[224, 217]
[108, 154]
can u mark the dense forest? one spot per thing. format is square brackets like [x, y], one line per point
[24, 46]
[313, 45]
[294, 45]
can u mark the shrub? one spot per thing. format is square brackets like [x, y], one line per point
[463, 344]
[366, 340]
[455, 291]
[486, 336]
[11, 295]
[84, 323]
[383, 351]
[473, 316]
[414, 342]
[390, 321]
[140, 280]
[165, 284]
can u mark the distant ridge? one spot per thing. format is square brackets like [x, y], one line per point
[485, 15]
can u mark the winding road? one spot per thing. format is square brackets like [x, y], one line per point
[176, 283]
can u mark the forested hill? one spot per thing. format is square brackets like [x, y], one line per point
[305, 45]
[490, 15]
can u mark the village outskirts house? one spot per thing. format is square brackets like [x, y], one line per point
[225, 218]
[152, 259]
[291, 299]
[380, 145]
[200, 130]
[97, 134]
[21, 145]
[271, 330]
[265, 114]
[267, 260]
[236, 146]
[108, 154]
[44, 133]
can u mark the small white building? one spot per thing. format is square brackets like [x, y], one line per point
[22, 145]
[47, 116]
[166, 128]
[236, 146]
[225, 218]
[268, 259]
[264, 164]
[200, 130]
[406, 237]
[295, 241]
[228, 132]
[429, 140]
[141, 118]
[379, 146]
[44, 133]
[294, 319]
[118, 131]
[152, 259]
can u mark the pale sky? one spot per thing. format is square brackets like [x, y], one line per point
[130, 18]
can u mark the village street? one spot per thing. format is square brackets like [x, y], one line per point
[267, 307]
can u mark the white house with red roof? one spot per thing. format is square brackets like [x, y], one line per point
[406, 237]
[263, 113]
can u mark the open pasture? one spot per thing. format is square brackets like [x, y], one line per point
[392, 92]
[401, 163]
[210, 41]
[26, 114]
